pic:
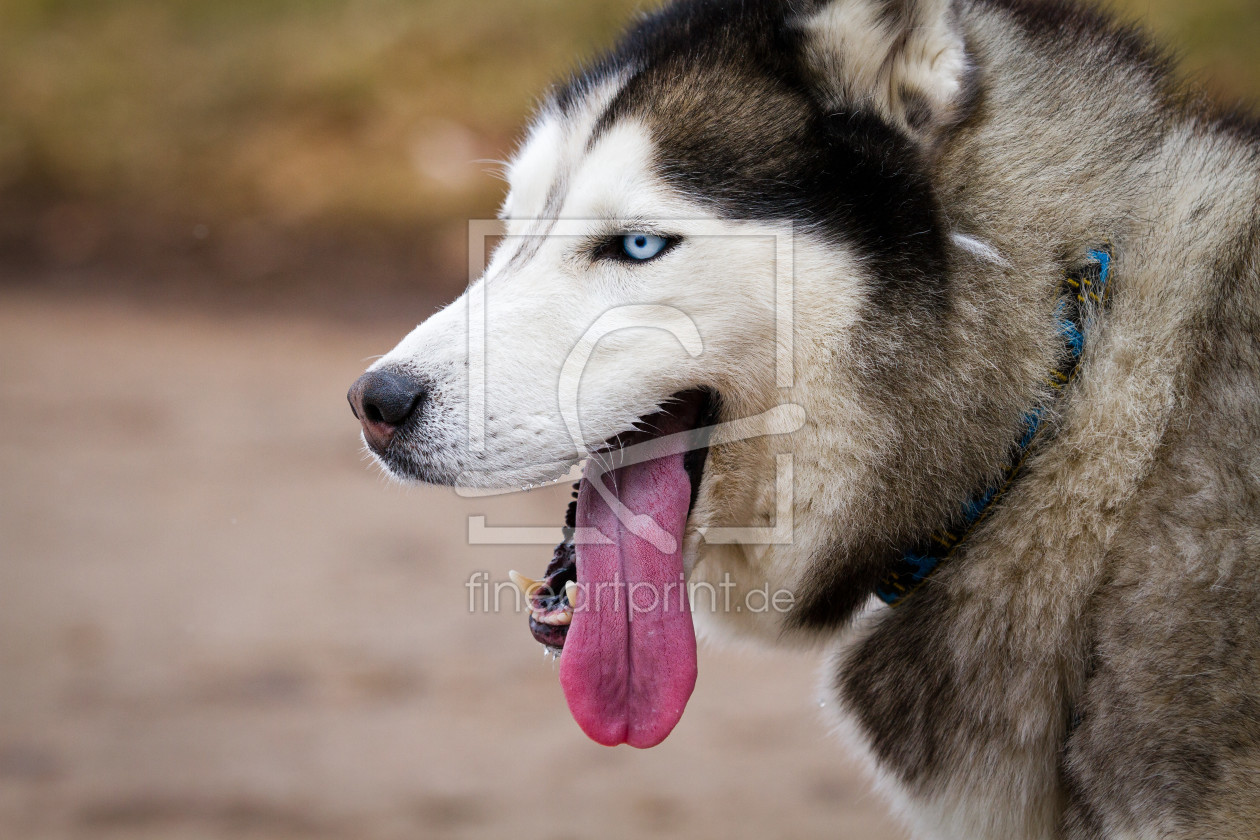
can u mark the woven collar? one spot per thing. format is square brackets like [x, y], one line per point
[1085, 289]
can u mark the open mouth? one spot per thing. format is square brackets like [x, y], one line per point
[614, 596]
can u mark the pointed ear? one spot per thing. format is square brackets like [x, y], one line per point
[904, 59]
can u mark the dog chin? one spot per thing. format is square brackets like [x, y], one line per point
[408, 465]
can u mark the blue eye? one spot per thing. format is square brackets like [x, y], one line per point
[642, 246]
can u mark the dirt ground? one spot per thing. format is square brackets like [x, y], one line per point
[218, 620]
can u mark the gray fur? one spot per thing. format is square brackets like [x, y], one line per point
[1087, 666]
[1093, 654]
[1090, 659]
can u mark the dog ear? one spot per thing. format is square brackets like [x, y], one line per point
[905, 59]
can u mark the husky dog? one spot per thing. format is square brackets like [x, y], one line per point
[1018, 427]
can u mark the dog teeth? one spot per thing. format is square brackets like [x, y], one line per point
[527, 586]
[555, 618]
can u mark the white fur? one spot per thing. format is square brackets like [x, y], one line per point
[542, 293]
[980, 249]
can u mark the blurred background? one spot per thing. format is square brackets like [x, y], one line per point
[216, 618]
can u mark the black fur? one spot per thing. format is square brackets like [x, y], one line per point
[899, 684]
[737, 125]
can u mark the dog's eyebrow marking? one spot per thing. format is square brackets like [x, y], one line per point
[574, 124]
[613, 110]
[978, 248]
[546, 218]
[598, 99]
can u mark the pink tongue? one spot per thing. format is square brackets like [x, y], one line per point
[629, 661]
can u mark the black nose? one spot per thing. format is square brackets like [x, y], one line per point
[383, 400]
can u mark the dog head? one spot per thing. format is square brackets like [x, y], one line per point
[731, 212]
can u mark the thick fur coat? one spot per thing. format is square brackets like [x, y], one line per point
[1088, 664]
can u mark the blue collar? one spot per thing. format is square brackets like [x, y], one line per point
[1085, 289]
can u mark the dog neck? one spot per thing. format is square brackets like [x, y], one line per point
[1084, 295]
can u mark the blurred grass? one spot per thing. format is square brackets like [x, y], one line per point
[307, 109]
[266, 145]
[264, 139]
